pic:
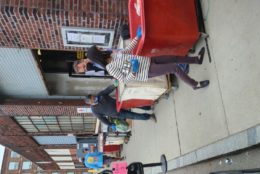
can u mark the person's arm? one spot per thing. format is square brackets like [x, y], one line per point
[103, 119]
[107, 91]
[129, 77]
[134, 42]
[131, 46]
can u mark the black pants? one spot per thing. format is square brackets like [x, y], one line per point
[125, 114]
[162, 65]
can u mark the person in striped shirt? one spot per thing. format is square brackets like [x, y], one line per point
[127, 67]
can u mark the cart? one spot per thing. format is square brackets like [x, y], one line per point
[138, 94]
[169, 27]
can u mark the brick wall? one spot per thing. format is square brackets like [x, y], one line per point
[34, 170]
[37, 23]
[13, 137]
[40, 107]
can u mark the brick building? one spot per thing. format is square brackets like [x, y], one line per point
[45, 131]
[37, 24]
[14, 163]
[39, 98]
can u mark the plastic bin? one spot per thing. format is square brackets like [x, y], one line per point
[169, 27]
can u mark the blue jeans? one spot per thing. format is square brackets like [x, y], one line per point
[124, 114]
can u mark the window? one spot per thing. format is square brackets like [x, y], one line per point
[53, 61]
[14, 155]
[55, 172]
[27, 165]
[70, 172]
[55, 139]
[66, 165]
[57, 123]
[61, 158]
[13, 166]
[58, 151]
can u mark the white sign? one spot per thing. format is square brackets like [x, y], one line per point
[99, 39]
[73, 37]
[85, 38]
[83, 110]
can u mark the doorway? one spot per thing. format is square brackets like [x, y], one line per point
[60, 79]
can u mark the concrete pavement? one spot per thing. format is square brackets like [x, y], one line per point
[189, 120]
[246, 160]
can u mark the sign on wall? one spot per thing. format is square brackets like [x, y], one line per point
[83, 110]
[86, 37]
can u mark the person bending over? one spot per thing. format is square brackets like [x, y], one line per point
[103, 105]
[127, 67]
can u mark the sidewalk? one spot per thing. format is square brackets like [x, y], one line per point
[190, 119]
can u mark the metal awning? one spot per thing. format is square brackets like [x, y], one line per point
[20, 76]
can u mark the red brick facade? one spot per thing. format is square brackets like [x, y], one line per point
[37, 23]
[15, 138]
[40, 107]
[32, 170]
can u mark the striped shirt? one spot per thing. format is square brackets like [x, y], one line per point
[120, 66]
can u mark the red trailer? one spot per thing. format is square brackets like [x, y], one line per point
[169, 27]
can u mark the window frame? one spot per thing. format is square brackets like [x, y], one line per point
[16, 165]
[59, 124]
[25, 162]
[14, 154]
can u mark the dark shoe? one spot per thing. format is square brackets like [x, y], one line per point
[201, 55]
[153, 117]
[187, 70]
[202, 84]
[173, 80]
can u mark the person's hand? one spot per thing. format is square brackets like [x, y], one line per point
[135, 66]
[139, 32]
[86, 99]
[113, 127]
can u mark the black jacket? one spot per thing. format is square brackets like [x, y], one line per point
[90, 66]
[106, 106]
